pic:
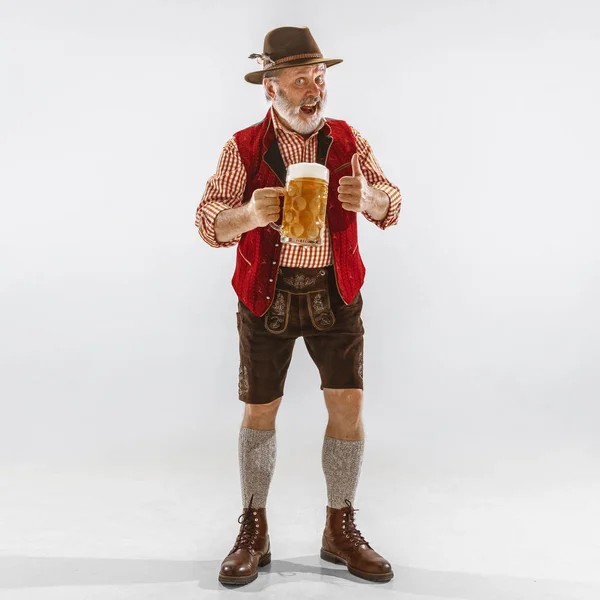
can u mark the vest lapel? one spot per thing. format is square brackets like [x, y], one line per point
[324, 141]
[274, 159]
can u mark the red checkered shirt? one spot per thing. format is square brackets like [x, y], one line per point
[225, 189]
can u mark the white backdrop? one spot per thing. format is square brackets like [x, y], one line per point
[118, 339]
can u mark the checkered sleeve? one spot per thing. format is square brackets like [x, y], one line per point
[224, 190]
[375, 178]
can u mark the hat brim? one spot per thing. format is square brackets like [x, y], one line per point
[257, 76]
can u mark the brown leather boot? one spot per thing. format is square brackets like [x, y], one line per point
[252, 548]
[344, 544]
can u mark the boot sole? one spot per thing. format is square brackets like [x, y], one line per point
[228, 580]
[333, 558]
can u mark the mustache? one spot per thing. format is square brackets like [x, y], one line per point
[310, 101]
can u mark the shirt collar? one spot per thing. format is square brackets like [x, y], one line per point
[280, 127]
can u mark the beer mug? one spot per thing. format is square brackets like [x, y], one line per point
[304, 204]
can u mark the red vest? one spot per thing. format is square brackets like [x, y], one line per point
[259, 250]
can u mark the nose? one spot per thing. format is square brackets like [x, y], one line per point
[314, 89]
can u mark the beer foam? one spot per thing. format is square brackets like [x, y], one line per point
[307, 170]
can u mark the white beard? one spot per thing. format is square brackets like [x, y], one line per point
[303, 124]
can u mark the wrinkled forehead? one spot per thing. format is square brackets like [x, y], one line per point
[305, 70]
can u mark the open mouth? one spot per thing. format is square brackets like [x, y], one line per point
[309, 109]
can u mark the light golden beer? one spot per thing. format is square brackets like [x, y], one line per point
[305, 204]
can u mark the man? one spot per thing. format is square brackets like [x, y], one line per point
[288, 291]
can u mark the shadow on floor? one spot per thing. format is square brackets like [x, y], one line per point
[34, 572]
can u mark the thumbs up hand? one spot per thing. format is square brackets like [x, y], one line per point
[356, 170]
[354, 191]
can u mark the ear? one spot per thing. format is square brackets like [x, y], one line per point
[269, 88]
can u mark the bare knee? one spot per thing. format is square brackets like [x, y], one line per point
[344, 408]
[261, 416]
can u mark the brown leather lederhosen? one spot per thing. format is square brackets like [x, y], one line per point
[307, 304]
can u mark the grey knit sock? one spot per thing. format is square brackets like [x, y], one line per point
[342, 460]
[256, 451]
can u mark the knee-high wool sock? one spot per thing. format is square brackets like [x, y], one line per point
[342, 461]
[257, 452]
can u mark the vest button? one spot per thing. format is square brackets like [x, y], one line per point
[276, 245]
[271, 280]
[268, 297]
[274, 262]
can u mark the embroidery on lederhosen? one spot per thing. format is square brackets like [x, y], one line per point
[243, 385]
[359, 364]
[300, 281]
[243, 382]
[276, 319]
[319, 309]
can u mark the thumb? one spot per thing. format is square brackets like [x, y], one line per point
[356, 170]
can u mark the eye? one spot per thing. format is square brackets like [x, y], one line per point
[320, 79]
[300, 80]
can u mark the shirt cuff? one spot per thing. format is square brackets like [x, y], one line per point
[205, 221]
[394, 209]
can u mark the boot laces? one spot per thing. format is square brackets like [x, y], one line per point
[352, 533]
[248, 531]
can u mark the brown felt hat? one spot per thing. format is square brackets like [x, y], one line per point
[288, 47]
